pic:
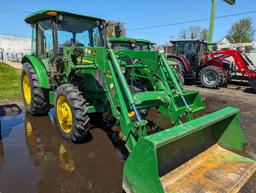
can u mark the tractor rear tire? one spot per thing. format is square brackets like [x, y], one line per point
[181, 71]
[211, 77]
[36, 99]
[71, 113]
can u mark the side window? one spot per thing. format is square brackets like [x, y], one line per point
[44, 38]
[48, 41]
[97, 38]
[176, 49]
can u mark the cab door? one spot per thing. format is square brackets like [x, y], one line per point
[45, 41]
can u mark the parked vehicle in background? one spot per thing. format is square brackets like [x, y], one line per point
[125, 43]
[212, 68]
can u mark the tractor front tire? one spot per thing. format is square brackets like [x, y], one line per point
[36, 99]
[211, 77]
[71, 113]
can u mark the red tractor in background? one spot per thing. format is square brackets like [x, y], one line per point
[213, 69]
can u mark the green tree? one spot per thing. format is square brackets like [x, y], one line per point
[241, 31]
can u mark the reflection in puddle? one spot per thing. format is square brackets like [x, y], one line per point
[35, 158]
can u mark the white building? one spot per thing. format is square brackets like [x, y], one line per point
[251, 53]
[14, 47]
[224, 41]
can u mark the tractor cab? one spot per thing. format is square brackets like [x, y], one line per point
[62, 40]
[124, 43]
[54, 30]
[192, 50]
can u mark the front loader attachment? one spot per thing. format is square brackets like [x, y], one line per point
[208, 154]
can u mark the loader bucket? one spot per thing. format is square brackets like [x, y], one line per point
[208, 154]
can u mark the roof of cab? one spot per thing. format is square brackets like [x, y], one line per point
[126, 39]
[42, 14]
[186, 40]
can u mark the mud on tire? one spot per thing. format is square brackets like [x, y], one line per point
[80, 119]
[211, 77]
[39, 104]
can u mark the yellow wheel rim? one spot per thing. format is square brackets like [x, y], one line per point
[64, 114]
[26, 89]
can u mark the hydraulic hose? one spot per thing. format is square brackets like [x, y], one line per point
[136, 112]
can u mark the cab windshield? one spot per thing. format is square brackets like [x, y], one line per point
[70, 31]
[131, 46]
[79, 32]
[184, 48]
[189, 47]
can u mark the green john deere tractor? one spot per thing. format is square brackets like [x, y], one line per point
[72, 68]
[125, 43]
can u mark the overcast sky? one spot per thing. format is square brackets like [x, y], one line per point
[134, 13]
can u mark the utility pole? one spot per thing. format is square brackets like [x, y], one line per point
[212, 19]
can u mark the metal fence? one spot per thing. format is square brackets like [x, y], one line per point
[1, 54]
[14, 57]
[11, 57]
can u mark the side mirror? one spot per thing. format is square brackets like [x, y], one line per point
[101, 24]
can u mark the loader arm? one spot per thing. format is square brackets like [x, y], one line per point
[242, 63]
[202, 150]
[122, 103]
[168, 96]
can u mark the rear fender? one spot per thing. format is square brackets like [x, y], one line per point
[39, 69]
[216, 63]
[183, 60]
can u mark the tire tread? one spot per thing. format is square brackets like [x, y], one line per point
[40, 97]
[80, 125]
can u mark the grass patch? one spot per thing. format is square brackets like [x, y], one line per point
[9, 83]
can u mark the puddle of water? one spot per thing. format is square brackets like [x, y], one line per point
[35, 158]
